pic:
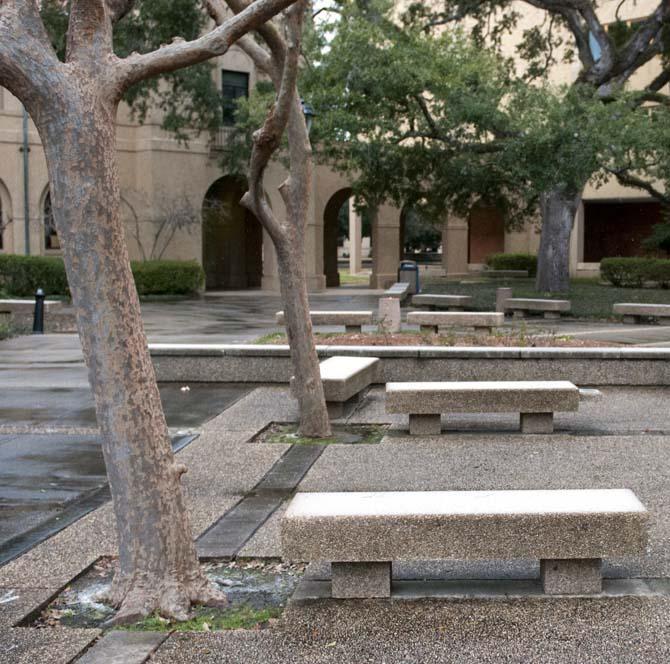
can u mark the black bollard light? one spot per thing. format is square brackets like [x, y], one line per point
[38, 319]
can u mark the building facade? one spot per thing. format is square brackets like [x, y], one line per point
[177, 203]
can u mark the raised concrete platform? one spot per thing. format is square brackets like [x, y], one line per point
[271, 363]
[434, 301]
[569, 531]
[520, 306]
[352, 320]
[633, 312]
[431, 321]
[536, 401]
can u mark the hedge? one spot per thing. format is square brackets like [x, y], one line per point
[513, 262]
[168, 277]
[23, 275]
[634, 272]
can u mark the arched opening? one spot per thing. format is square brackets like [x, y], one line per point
[335, 230]
[51, 239]
[486, 233]
[232, 238]
[420, 238]
[5, 217]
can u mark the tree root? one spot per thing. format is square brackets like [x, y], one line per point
[170, 597]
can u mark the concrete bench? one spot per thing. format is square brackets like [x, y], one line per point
[431, 321]
[352, 320]
[27, 307]
[634, 313]
[361, 534]
[400, 290]
[536, 401]
[501, 274]
[520, 306]
[344, 380]
[449, 302]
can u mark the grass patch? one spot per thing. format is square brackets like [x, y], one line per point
[347, 279]
[209, 620]
[590, 298]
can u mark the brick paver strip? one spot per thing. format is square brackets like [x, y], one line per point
[235, 528]
[122, 647]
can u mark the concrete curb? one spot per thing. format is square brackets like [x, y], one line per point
[271, 363]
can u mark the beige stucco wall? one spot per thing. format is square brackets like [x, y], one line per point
[156, 170]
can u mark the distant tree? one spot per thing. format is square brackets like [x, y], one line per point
[608, 57]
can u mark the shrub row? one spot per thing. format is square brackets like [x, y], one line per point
[23, 275]
[168, 277]
[513, 262]
[635, 272]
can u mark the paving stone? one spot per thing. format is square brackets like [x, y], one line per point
[122, 647]
[571, 577]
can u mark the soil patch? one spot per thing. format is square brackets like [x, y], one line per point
[257, 591]
[343, 434]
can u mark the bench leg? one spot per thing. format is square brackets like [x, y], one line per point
[631, 320]
[428, 329]
[580, 576]
[338, 409]
[361, 580]
[425, 425]
[353, 328]
[552, 315]
[518, 313]
[537, 423]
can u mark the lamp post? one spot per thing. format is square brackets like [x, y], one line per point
[308, 112]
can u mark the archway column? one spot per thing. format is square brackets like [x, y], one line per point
[355, 239]
[455, 246]
[385, 247]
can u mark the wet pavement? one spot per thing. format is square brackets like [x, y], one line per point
[47, 480]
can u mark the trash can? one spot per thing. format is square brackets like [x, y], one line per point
[408, 271]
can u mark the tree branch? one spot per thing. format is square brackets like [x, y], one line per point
[268, 138]
[28, 62]
[89, 30]
[628, 180]
[181, 54]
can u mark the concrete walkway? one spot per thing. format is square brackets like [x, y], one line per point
[619, 441]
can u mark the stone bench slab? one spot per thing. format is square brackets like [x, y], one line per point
[463, 525]
[434, 319]
[569, 531]
[443, 301]
[632, 312]
[551, 308]
[344, 377]
[27, 306]
[482, 396]
[350, 319]
[399, 290]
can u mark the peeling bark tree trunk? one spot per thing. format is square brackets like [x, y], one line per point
[73, 105]
[558, 208]
[308, 388]
[158, 566]
[288, 235]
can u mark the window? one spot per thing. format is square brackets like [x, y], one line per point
[51, 240]
[234, 84]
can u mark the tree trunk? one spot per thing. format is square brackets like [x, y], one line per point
[558, 208]
[158, 565]
[308, 388]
